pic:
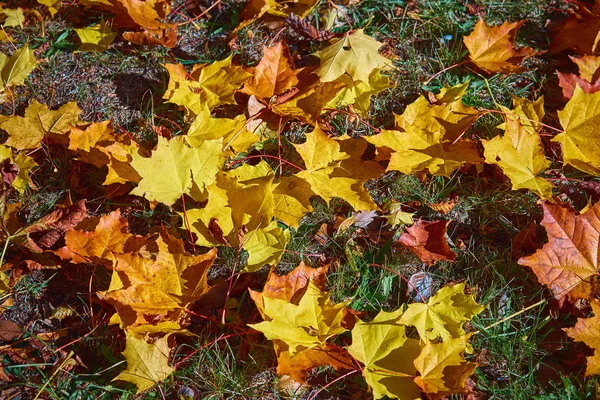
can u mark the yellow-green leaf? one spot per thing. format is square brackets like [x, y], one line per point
[356, 54]
[580, 140]
[382, 346]
[520, 154]
[265, 246]
[96, 37]
[443, 368]
[174, 165]
[444, 314]
[147, 363]
[303, 326]
[14, 69]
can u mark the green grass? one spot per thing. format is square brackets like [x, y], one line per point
[426, 38]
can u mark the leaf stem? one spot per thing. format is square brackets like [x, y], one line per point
[513, 315]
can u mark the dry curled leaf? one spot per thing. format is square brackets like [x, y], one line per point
[428, 241]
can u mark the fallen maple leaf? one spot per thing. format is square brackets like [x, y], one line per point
[443, 368]
[274, 74]
[98, 145]
[307, 325]
[147, 363]
[429, 135]
[51, 227]
[174, 166]
[356, 54]
[579, 31]
[16, 68]
[580, 140]
[205, 86]
[290, 287]
[236, 204]
[589, 67]
[99, 244]
[265, 246]
[298, 366]
[154, 37]
[520, 154]
[23, 164]
[39, 122]
[568, 263]
[587, 330]
[428, 241]
[134, 13]
[444, 314]
[236, 136]
[492, 48]
[96, 37]
[568, 83]
[382, 346]
[332, 172]
[149, 287]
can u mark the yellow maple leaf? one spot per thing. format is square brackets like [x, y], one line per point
[307, 105]
[233, 204]
[147, 363]
[53, 5]
[332, 172]
[98, 145]
[303, 326]
[206, 86]
[519, 151]
[589, 67]
[96, 37]
[444, 314]
[359, 93]
[14, 17]
[443, 368]
[91, 135]
[24, 162]
[446, 118]
[235, 136]
[428, 135]
[580, 140]
[265, 246]
[416, 150]
[14, 69]
[291, 200]
[39, 122]
[382, 346]
[174, 166]
[356, 54]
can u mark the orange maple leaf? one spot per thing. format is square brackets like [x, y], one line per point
[492, 48]
[568, 263]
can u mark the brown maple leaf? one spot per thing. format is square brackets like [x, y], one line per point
[568, 263]
[428, 241]
[55, 225]
[587, 330]
[568, 82]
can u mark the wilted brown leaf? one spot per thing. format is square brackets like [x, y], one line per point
[428, 241]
